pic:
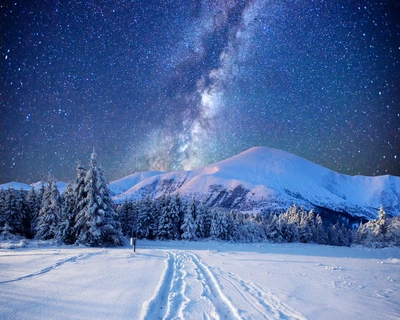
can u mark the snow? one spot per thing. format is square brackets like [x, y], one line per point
[198, 280]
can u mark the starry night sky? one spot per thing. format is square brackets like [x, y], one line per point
[168, 85]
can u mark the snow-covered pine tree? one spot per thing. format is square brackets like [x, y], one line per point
[293, 215]
[345, 236]
[359, 234]
[40, 193]
[193, 208]
[123, 212]
[145, 223]
[175, 218]
[333, 234]
[382, 223]
[273, 228]
[168, 220]
[306, 227]
[2, 207]
[215, 220]
[189, 226]
[34, 207]
[68, 213]
[23, 208]
[392, 236]
[96, 222]
[219, 225]
[202, 222]
[320, 233]
[79, 192]
[251, 230]
[239, 229]
[49, 214]
[288, 226]
[180, 208]
[12, 212]
[134, 209]
[374, 232]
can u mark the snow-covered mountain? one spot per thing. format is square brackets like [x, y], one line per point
[266, 178]
[37, 185]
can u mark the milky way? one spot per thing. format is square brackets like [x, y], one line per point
[171, 85]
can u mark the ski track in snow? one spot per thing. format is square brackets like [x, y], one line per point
[259, 299]
[189, 287]
[54, 266]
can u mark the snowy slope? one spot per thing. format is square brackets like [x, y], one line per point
[61, 185]
[269, 178]
[124, 184]
[15, 185]
[37, 185]
[199, 280]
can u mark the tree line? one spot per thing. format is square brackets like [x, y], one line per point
[86, 214]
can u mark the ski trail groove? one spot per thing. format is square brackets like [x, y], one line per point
[54, 266]
[224, 306]
[259, 299]
[156, 308]
[188, 288]
[177, 298]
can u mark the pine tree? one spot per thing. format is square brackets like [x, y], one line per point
[272, 228]
[288, 225]
[50, 213]
[219, 225]
[193, 208]
[189, 226]
[392, 236]
[202, 222]
[12, 212]
[34, 206]
[333, 234]
[382, 223]
[96, 222]
[79, 192]
[146, 220]
[320, 234]
[306, 233]
[168, 220]
[175, 218]
[23, 208]
[123, 212]
[344, 237]
[359, 234]
[180, 209]
[2, 207]
[68, 213]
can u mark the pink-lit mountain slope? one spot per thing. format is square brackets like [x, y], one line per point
[263, 178]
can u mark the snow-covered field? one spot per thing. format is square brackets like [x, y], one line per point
[199, 280]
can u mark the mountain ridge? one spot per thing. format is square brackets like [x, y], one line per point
[266, 178]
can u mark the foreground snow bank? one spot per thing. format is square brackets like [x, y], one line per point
[199, 280]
